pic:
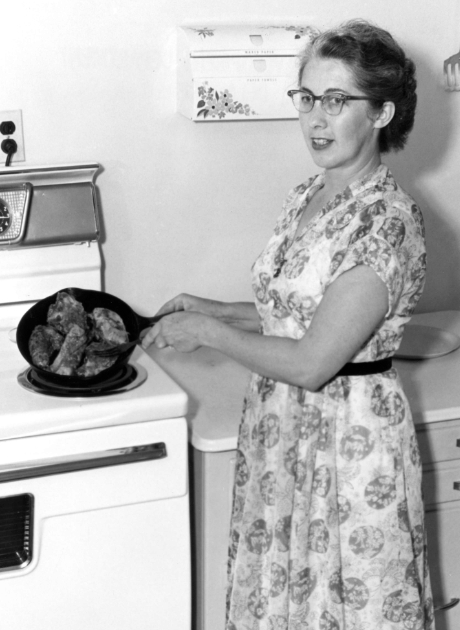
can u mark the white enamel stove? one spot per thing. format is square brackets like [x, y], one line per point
[94, 504]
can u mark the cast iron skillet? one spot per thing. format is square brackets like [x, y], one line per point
[37, 314]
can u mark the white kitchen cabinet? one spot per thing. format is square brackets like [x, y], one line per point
[212, 480]
[441, 472]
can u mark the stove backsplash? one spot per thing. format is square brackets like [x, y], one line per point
[63, 206]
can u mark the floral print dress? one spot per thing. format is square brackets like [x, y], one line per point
[327, 527]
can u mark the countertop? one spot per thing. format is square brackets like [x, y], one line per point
[216, 384]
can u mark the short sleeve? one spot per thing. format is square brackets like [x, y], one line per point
[374, 251]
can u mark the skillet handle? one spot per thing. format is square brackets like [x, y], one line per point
[146, 322]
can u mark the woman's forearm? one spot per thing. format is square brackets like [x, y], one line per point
[274, 357]
[242, 315]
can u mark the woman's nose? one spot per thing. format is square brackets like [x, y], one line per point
[317, 116]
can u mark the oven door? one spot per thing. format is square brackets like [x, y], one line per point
[94, 529]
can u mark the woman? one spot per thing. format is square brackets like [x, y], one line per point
[327, 524]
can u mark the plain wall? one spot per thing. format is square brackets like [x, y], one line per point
[188, 206]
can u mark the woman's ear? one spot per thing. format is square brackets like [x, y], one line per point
[385, 115]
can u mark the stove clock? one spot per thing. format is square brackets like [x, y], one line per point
[5, 217]
[15, 201]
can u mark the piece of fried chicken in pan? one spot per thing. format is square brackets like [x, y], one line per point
[109, 326]
[93, 364]
[71, 351]
[44, 342]
[109, 330]
[66, 312]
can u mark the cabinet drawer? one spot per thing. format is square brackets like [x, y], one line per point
[440, 481]
[438, 441]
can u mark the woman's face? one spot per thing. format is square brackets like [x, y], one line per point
[346, 144]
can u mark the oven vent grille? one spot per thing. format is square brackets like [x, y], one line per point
[16, 531]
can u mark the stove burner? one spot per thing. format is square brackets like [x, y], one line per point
[126, 378]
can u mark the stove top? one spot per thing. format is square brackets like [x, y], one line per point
[127, 378]
[152, 395]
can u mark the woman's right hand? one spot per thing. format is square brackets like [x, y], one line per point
[178, 330]
[239, 314]
[186, 302]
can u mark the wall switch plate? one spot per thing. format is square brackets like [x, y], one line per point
[14, 116]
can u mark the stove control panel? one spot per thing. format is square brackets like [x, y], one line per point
[42, 206]
[14, 208]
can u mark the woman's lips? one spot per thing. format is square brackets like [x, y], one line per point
[320, 143]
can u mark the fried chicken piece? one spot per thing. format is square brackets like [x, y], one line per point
[66, 312]
[43, 343]
[94, 364]
[109, 326]
[71, 351]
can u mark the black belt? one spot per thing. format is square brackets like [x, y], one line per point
[365, 367]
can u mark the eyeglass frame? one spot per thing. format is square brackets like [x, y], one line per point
[343, 97]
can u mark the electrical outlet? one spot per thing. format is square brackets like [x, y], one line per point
[15, 117]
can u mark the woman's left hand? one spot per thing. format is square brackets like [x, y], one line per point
[181, 330]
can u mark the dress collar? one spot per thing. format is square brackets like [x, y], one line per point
[379, 174]
[371, 180]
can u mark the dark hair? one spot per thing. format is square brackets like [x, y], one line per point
[381, 70]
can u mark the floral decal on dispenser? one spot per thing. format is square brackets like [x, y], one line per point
[204, 32]
[218, 104]
[299, 32]
[302, 31]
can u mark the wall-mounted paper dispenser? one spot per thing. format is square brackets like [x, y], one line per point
[238, 72]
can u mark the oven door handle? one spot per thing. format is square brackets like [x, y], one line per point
[82, 461]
